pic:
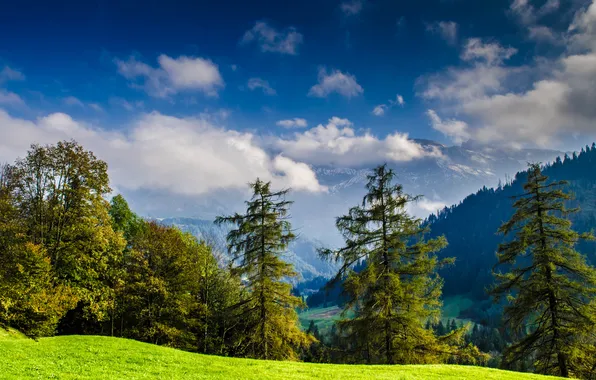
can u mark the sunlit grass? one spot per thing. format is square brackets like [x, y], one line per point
[92, 357]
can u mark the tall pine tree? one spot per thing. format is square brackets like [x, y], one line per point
[549, 286]
[267, 312]
[399, 289]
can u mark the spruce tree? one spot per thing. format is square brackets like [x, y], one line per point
[267, 310]
[550, 288]
[399, 289]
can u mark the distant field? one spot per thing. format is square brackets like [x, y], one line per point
[92, 357]
[325, 317]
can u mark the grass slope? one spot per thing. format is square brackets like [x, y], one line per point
[93, 357]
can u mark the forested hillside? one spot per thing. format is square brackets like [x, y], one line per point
[471, 227]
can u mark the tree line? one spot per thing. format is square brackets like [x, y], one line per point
[72, 262]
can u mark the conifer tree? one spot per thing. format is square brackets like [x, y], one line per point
[399, 289]
[550, 288]
[267, 312]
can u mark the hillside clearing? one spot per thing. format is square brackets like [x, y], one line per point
[94, 357]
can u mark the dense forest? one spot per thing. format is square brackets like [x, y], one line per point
[76, 260]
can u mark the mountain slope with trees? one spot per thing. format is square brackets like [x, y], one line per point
[471, 228]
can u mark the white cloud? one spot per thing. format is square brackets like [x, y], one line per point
[73, 101]
[446, 29]
[491, 53]
[379, 110]
[351, 8]
[552, 100]
[10, 74]
[528, 14]
[297, 175]
[544, 34]
[457, 130]
[458, 84]
[583, 30]
[96, 107]
[336, 143]
[292, 123]
[400, 100]
[121, 102]
[335, 81]
[10, 98]
[187, 156]
[430, 206]
[271, 40]
[258, 83]
[382, 108]
[173, 75]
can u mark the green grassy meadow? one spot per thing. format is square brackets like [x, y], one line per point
[95, 357]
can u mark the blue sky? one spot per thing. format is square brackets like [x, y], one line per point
[230, 91]
[68, 48]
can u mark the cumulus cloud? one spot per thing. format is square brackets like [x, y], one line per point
[173, 75]
[292, 123]
[457, 130]
[10, 74]
[468, 82]
[382, 108]
[351, 8]
[271, 40]
[430, 206]
[582, 30]
[337, 143]
[258, 83]
[187, 156]
[490, 52]
[556, 101]
[542, 33]
[527, 14]
[335, 81]
[446, 29]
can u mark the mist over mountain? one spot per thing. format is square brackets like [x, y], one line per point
[302, 253]
[444, 179]
[470, 228]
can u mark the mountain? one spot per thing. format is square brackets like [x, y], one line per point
[302, 253]
[444, 177]
[457, 168]
[470, 228]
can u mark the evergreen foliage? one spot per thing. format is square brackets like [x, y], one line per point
[399, 288]
[266, 309]
[549, 286]
[73, 263]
